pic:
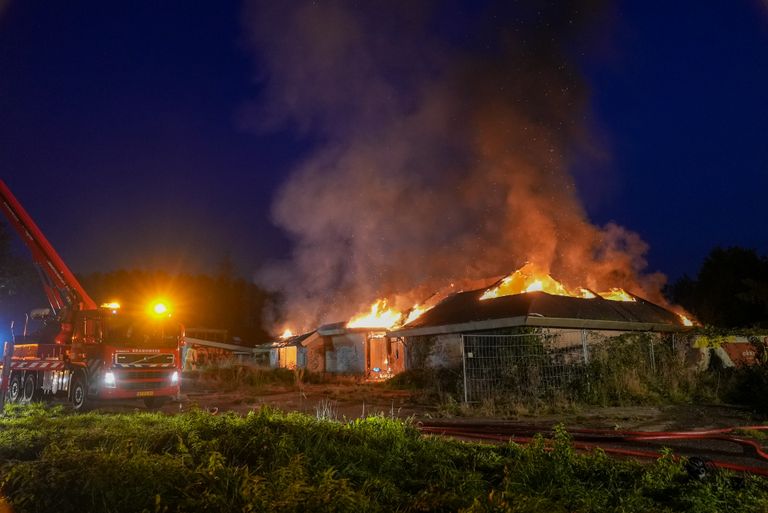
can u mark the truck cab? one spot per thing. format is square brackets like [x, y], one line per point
[123, 355]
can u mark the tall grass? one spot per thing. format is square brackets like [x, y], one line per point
[273, 461]
[639, 369]
[230, 377]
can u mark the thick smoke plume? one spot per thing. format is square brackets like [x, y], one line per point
[440, 157]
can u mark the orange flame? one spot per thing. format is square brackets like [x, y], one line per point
[416, 312]
[686, 321]
[526, 279]
[531, 279]
[287, 333]
[617, 294]
[379, 317]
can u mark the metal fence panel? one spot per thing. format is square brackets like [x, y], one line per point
[525, 366]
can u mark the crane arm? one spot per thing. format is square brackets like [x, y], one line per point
[61, 286]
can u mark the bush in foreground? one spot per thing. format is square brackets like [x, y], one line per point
[273, 461]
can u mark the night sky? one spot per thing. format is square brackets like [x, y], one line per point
[125, 130]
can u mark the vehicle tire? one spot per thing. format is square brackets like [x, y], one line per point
[15, 388]
[153, 403]
[30, 391]
[78, 394]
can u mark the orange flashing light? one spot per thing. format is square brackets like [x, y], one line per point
[160, 309]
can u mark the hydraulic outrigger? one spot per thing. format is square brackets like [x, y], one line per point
[81, 351]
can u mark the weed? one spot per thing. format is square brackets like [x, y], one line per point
[326, 410]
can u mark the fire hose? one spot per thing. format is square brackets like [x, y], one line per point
[590, 439]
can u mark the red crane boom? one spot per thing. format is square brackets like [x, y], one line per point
[61, 287]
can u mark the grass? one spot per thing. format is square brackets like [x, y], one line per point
[229, 376]
[274, 461]
[236, 377]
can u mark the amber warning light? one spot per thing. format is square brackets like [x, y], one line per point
[160, 309]
[114, 306]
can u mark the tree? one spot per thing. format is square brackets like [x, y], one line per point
[730, 290]
[224, 301]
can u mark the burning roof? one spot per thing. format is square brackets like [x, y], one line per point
[529, 296]
[292, 340]
[469, 311]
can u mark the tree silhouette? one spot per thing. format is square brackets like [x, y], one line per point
[730, 290]
[224, 301]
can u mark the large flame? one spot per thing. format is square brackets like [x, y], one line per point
[287, 333]
[526, 279]
[415, 312]
[617, 294]
[529, 278]
[380, 316]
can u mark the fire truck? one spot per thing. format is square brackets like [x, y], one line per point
[78, 351]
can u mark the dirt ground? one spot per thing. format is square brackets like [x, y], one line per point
[348, 401]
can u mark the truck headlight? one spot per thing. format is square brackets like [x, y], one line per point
[109, 379]
[175, 377]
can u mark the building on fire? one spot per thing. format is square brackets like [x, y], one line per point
[435, 338]
[338, 349]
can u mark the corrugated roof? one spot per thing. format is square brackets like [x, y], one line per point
[466, 310]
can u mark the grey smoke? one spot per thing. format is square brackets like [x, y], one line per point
[435, 162]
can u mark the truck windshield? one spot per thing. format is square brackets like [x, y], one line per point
[125, 331]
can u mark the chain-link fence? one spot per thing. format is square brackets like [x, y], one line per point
[525, 366]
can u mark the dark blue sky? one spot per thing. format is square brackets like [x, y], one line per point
[121, 131]
[683, 104]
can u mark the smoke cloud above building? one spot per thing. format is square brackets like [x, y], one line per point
[441, 157]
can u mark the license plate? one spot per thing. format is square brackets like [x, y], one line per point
[145, 393]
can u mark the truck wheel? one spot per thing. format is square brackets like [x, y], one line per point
[30, 388]
[153, 403]
[78, 394]
[15, 388]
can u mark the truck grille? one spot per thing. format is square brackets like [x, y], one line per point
[140, 379]
[144, 359]
[142, 374]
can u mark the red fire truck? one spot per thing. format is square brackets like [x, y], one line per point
[78, 351]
